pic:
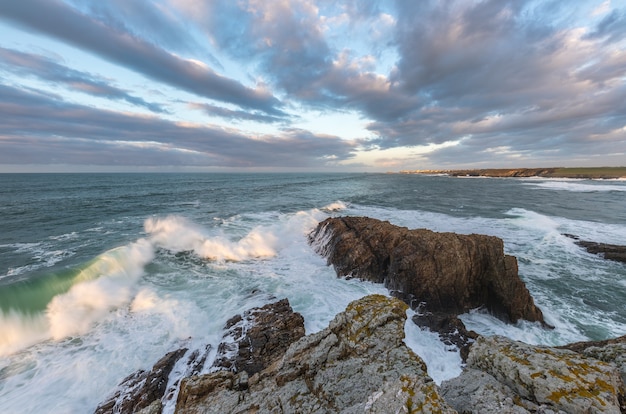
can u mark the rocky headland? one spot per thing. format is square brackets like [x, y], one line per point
[360, 363]
[553, 172]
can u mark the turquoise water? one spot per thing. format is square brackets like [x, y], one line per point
[101, 274]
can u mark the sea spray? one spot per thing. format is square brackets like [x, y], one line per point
[76, 302]
[179, 234]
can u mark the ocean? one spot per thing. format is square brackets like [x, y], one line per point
[102, 274]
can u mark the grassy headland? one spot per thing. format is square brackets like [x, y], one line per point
[557, 172]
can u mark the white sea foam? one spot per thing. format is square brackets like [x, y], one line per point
[336, 206]
[576, 185]
[107, 283]
[443, 361]
[19, 331]
[42, 254]
[179, 234]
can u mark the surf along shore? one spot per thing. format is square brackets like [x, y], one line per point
[554, 172]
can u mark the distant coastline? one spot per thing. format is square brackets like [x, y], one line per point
[556, 172]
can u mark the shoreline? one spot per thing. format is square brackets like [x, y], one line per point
[553, 172]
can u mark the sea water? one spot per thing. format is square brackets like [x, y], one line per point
[102, 274]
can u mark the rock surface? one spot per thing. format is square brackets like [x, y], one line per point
[444, 273]
[143, 389]
[253, 340]
[608, 251]
[358, 364]
[503, 375]
[612, 351]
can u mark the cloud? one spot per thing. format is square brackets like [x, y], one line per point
[41, 128]
[289, 40]
[235, 115]
[612, 28]
[490, 75]
[471, 81]
[27, 64]
[56, 19]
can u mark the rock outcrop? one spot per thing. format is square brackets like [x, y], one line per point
[436, 273]
[503, 375]
[358, 364]
[259, 336]
[614, 252]
[251, 342]
[612, 351]
[142, 390]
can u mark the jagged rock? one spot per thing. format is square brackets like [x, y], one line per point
[436, 272]
[535, 379]
[250, 344]
[358, 364]
[452, 330]
[253, 340]
[608, 251]
[143, 389]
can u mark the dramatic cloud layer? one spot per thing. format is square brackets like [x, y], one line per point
[316, 85]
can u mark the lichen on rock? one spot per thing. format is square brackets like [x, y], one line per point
[358, 364]
[549, 377]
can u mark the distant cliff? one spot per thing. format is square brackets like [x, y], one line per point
[557, 172]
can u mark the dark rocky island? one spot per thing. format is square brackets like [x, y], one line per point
[360, 363]
[441, 275]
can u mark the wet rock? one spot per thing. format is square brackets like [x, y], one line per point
[358, 364]
[452, 330]
[441, 273]
[142, 389]
[536, 379]
[253, 340]
[608, 251]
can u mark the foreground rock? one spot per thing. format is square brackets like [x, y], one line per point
[143, 390]
[358, 364]
[612, 351]
[259, 336]
[438, 273]
[508, 376]
[251, 342]
[608, 251]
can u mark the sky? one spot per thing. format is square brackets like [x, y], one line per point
[311, 85]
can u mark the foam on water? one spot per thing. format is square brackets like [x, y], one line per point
[159, 301]
[107, 283]
[443, 361]
[576, 185]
